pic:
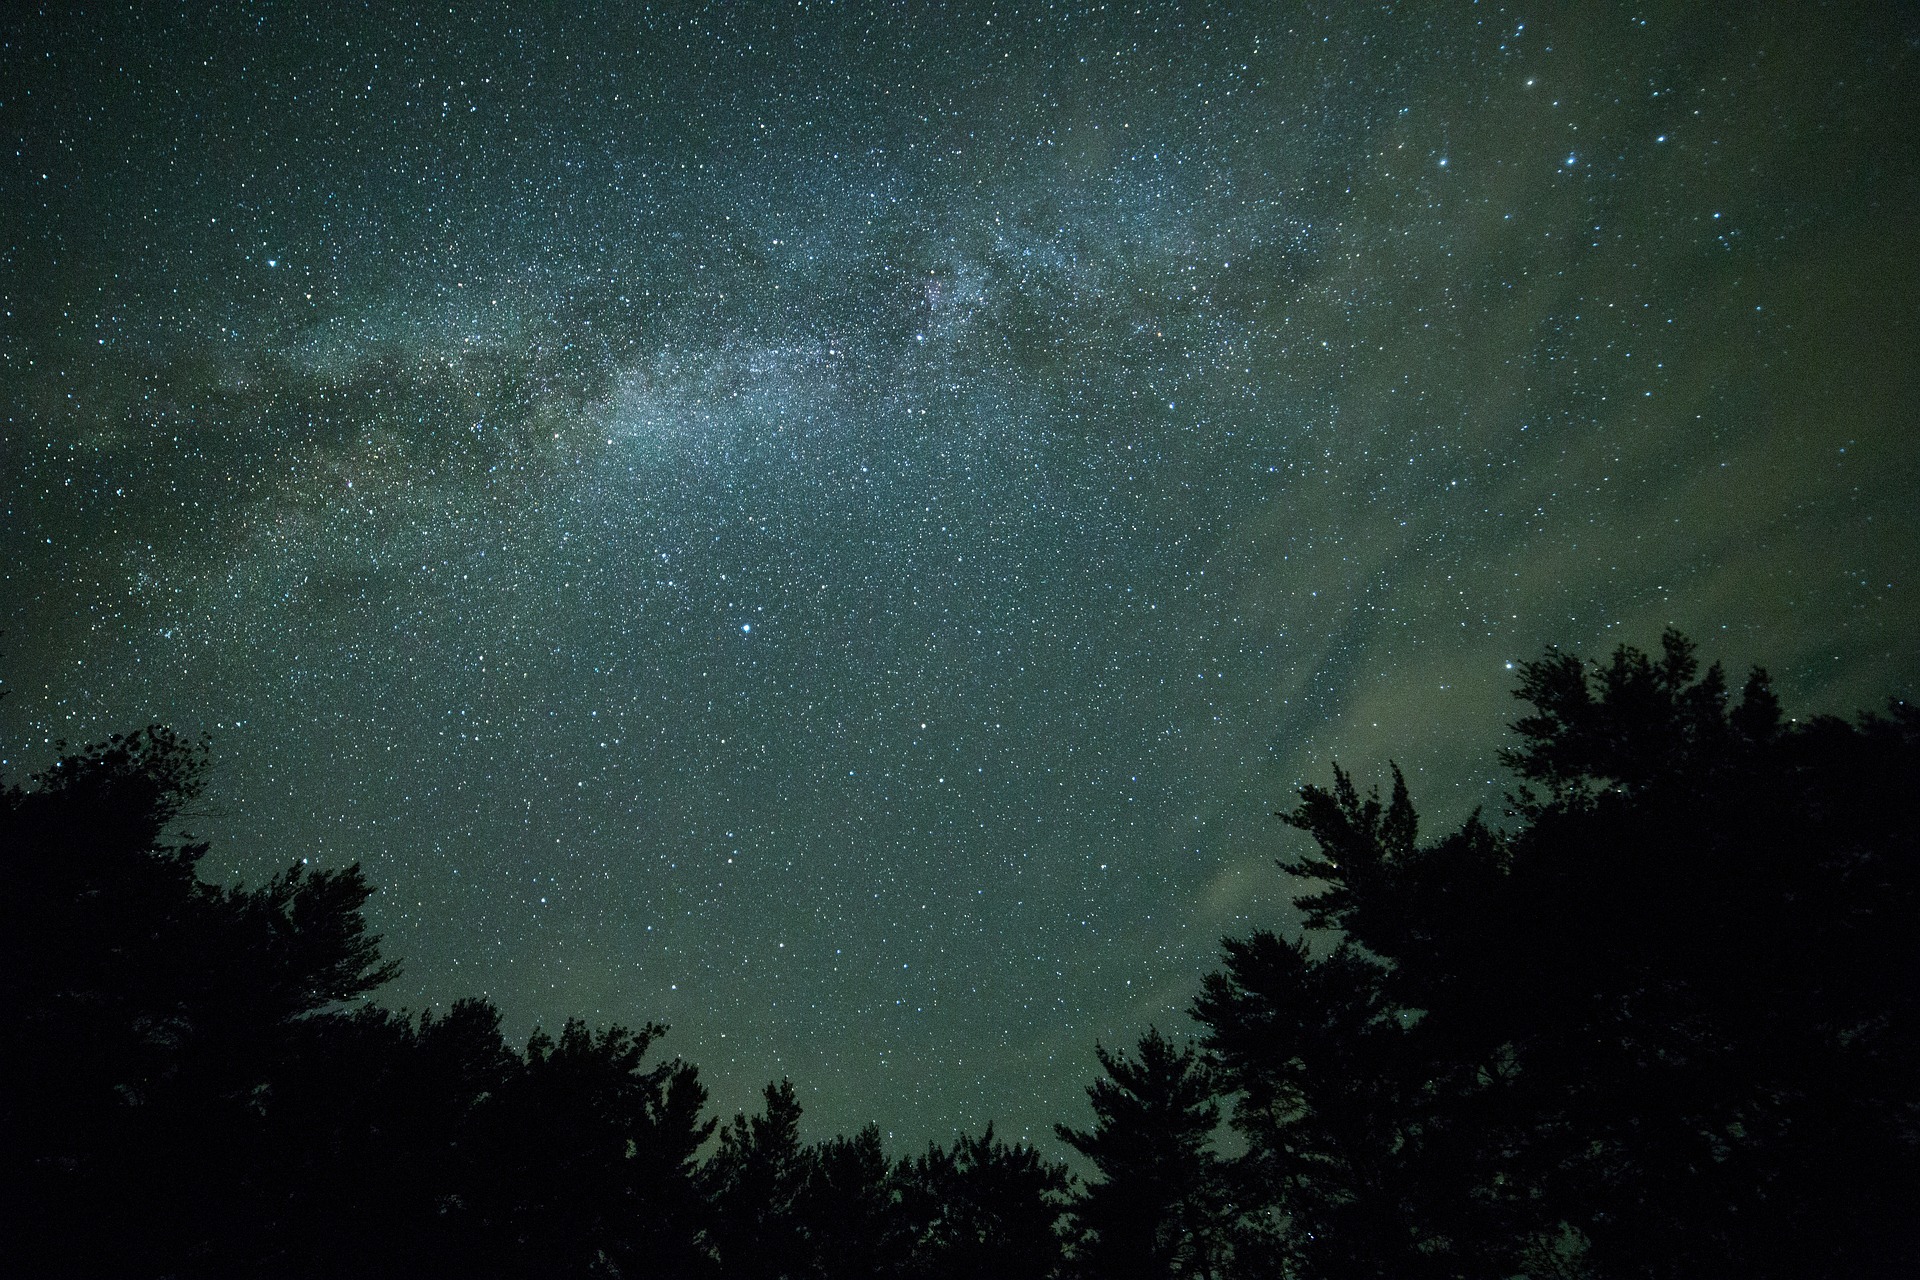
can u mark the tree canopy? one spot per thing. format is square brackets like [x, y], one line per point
[1665, 1026]
[1662, 1021]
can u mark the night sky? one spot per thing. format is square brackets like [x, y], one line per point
[835, 526]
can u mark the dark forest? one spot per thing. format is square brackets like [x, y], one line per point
[1662, 1020]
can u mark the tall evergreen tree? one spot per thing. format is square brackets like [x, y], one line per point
[1158, 1209]
[1325, 1092]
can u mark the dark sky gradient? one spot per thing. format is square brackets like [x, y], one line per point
[834, 526]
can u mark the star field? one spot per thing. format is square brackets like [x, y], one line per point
[835, 526]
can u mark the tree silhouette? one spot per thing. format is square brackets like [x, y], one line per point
[190, 1066]
[373, 1124]
[587, 1158]
[1158, 1209]
[755, 1181]
[850, 1209]
[983, 1209]
[1326, 1093]
[1667, 1026]
[146, 1005]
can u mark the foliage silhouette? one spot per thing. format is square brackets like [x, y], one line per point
[147, 1005]
[756, 1180]
[852, 1213]
[1160, 1206]
[984, 1208]
[1667, 1026]
[197, 1066]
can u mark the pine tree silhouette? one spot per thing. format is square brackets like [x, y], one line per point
[1159, 1208]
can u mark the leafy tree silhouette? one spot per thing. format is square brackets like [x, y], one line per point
[983, 1208]
[756, 1180]
[449, 1153]
[194, 1090]
[851, 1211]
[1159, 1208]
[1668, 1026]
[369, 1156]
[1321, 1090]
[842, 1209]
[146, 1004]
[587, 1157]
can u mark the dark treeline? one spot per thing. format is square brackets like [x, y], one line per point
[1665, 1025]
